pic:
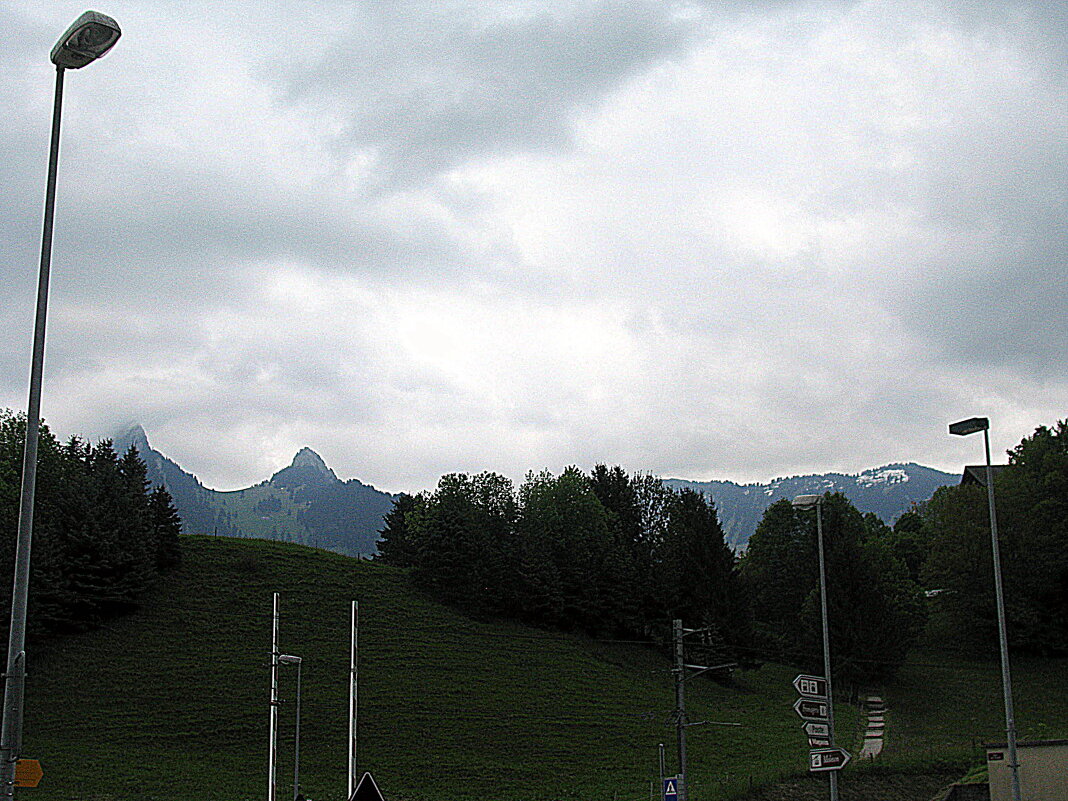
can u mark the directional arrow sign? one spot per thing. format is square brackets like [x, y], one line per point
[811, 686]
[819, 742]
[28, 773]
[822, 759]
[811, 709]
[814, 729]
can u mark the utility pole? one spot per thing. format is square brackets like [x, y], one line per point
[272, 757]
[354, 675]
[680, 706]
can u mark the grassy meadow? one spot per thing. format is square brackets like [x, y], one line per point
[172, 701]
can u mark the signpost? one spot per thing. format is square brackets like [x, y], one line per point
[671, 788]
[824, 759]
[366, 790]
[811, 686]
[811, 710]
[814, 729]
[28, 773]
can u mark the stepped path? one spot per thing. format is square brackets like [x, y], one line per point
[875, 732]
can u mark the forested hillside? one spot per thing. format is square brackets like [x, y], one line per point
[304, 502]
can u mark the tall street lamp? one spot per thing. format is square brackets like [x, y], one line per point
[91, 36]
[805, 502]
[963, 428]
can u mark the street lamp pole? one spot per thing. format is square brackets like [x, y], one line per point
[807, 502]
[963, 428]
[90, 37]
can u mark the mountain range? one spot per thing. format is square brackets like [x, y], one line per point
[887, 491]
[307, 503]
[304, 502]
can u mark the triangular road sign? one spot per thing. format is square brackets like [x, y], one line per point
[366, 790]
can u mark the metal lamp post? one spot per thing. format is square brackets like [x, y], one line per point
[288, 659]
[804, 502]
[91, 36]
[963, 428]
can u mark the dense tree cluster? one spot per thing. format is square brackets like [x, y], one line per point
[101, 536]
[1032, 511]
[606, 553]
[875, 610]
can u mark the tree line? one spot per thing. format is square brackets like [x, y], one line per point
[622, 555]
[101, 534]
[1031, 497]
[607, 553]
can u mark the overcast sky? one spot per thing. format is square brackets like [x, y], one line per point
[731, 240]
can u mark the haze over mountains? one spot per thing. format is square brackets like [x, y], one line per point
[307, 503]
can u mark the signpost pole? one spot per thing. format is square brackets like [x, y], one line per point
[826, 645]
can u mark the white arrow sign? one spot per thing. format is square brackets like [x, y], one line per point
[814, 729]
[811, 686]
[821, 759]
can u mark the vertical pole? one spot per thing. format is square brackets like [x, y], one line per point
[680, 708]
[15, 675]
[353, 688]
[1006, 680]
[833, 774]
[661, 767]
[296, 745]
[272, 753]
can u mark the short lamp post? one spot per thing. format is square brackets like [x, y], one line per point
[288, 659]
[91, 36]
[805, 502]
[963, 428]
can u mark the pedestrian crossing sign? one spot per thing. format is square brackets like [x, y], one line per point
[671, 788]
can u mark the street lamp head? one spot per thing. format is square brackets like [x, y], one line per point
[969, 426]
[91, 36]
[807, 501]
[288, 659]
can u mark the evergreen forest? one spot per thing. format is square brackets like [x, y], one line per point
[101, 534]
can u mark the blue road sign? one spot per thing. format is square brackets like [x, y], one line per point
[671, 788]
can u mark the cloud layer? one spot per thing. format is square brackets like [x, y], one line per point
[702, 241]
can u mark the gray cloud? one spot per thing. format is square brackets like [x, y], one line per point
[424, 87]
[700, 239]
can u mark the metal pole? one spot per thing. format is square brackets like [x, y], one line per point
[833, 775]
[296, 746]
[272, 757]
[353, 687]
[1006, 680]
[15, 675]
[661, 767]
[680, 708]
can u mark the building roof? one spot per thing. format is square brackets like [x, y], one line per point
[976, 473]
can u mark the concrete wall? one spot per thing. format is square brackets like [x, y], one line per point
[1043, 770]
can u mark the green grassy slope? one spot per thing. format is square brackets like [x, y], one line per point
[171, 702]
[263, 511]
[944, 706]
